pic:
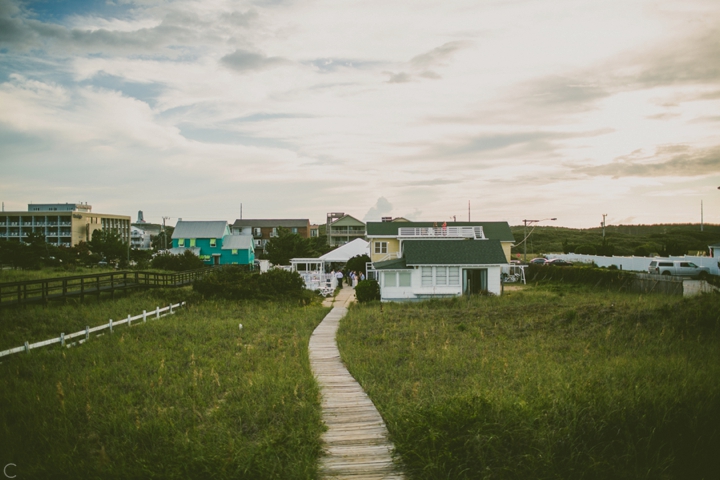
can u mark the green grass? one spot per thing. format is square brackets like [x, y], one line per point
[187, 396]
[10, 275]
[551, 382]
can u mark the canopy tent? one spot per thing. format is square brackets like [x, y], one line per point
[345, 252]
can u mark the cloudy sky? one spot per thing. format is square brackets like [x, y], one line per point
[526, 108]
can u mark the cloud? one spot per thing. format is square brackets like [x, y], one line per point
[437, 56]
[665, 161]
[400, 77]
[381, 208]
[244, 61]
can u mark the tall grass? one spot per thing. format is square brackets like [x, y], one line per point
[554, 382]
[188, 396]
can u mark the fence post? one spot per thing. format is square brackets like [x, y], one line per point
[62, 339]
[157, 312]
[144, 316]
[27, 347]
[110, 324]
[87, 332]
[171, 308]
[129, 320]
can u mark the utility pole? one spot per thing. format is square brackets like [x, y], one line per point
[701, 215]
[468, 210]
[165, 233]
[603, 224]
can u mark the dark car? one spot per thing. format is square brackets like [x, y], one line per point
[538, 261]
[558, 262]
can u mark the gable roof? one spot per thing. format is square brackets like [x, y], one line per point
[454, 252]
[346, 220]
[347, 251]
[208, 229]
[268, 222]
[492, 230]
[237, 242]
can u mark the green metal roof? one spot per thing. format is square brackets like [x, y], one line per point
[347, 220]
[493, 230]
[453, 252]
[394, 264]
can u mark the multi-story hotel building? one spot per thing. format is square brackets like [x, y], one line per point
[62, 224]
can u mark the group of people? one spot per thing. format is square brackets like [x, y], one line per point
[352, 278]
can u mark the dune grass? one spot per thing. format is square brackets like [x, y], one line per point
[557, 381]
[188, 396]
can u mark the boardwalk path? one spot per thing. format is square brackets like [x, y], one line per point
[356, 442]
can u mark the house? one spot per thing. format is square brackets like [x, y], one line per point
[441, 268]
[262, 230]
[386, 238]
[62, 224]
[213, 243]
[342, 229]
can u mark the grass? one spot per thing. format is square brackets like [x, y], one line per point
[187, 396]
[557, 381]
[17, 275]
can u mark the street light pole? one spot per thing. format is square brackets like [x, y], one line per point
[526, 234]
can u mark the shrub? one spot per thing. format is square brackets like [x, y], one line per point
[238, 283]
[177, 263]
[586, 250]
[367, 291]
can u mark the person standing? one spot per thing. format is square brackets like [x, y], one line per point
[339, 277]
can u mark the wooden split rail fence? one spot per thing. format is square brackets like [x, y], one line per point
[46, 289]
[62, 339]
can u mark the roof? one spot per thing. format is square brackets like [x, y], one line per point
[346, 220]
[454, 252]
[208, 229]
[394, 264]
[347, 251]
[493, 230]
[268, 223]
[237, 242]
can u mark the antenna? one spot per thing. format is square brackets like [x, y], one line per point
[240, 210]
[468, 210]
[701, 215]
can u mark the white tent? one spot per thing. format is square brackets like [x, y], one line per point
[345, 252]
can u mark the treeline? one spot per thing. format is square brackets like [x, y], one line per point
[621, 240]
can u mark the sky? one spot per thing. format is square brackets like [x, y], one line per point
[522, 109]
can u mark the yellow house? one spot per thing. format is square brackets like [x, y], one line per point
[386, 238]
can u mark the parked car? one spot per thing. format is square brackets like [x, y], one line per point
[539, 261]
[558, 262]
[677, 267]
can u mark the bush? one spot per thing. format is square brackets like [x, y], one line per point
[177, 263]
[238, 283]
[586, 250]
[367, 291]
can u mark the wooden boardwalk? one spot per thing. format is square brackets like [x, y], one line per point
[356, 442]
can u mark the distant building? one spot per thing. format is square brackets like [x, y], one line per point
[213, 243]
[342, 229]
[140, 239]
[62, 224]
[262, 230]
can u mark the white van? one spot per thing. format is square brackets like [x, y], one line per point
[677, 267]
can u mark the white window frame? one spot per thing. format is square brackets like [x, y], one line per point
[381, 247]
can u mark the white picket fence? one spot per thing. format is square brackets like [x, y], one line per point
[62, 339]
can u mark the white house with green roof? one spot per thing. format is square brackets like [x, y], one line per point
[447, 267]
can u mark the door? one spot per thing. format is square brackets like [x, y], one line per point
[216, 260]
[474, 281]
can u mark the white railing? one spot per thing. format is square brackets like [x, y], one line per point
[442, 232]
[63, 338]
[319, 281]
[389, 256]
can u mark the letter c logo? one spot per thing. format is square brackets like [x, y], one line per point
[6, 472]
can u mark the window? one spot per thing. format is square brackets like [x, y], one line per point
[181, 242]
[441, 276]
[192, 242]
[234, 251]
[427, 276]
[390, 279]
[257, 231]
[453, 275]
[274, 232]
[294, 230]
[213, 242]
[313, 233]
[381, 247]
[404, 279]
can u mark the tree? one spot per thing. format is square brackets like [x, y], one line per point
[163, 240]
[109, 244]
[279, 250]
[358, 264]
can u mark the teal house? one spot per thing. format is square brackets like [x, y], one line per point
[213, 242]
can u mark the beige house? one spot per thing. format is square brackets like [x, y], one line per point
[342, 229]
[62, 224]
[386, 238]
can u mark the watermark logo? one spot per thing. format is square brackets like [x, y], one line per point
[8, 470]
